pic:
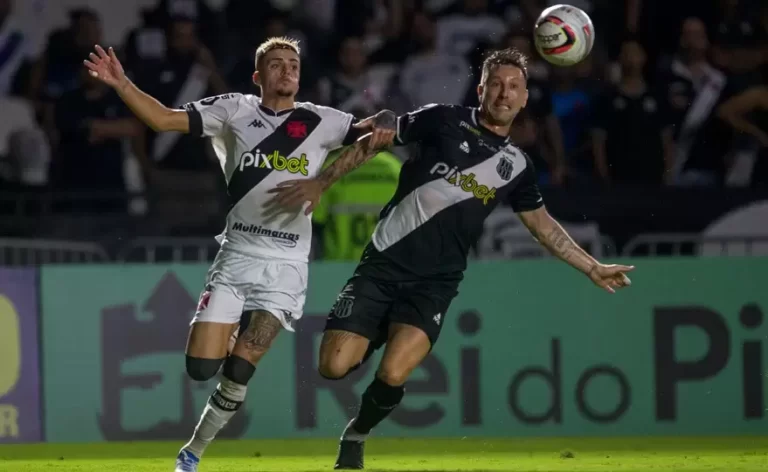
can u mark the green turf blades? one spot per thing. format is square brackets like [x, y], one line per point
[734, 454]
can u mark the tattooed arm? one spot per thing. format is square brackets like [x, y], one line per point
[551, 235]
[293, 193]
[383, 124]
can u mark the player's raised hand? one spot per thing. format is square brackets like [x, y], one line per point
[106, 67]
[610, 277]
[383, 127]
[294, 193]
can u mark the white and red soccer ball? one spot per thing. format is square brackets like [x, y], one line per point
[563, 35]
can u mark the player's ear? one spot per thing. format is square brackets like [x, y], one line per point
[480, 93]
[256, 78]
[525, 101]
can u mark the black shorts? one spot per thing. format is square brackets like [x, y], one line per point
[368, 305]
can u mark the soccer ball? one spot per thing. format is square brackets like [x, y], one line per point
[563, 35]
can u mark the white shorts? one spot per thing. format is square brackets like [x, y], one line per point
[237, 283]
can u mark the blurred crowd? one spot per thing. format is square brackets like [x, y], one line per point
[669, 96]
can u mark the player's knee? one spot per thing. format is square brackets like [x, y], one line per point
[334, 368]
[238, 370]
[202, 369]
[393, 375]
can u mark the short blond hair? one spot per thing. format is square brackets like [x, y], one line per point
[282, 42]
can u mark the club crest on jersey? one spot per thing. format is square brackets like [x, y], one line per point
[343, 307]
[296, 129]
[505, 167]
[466, 182]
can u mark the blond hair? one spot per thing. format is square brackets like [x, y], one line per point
[271, 44]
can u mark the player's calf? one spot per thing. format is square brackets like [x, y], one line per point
[406, 348]
[223, 403]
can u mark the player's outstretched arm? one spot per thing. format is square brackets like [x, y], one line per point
[292, 193]
[107, 68]
[383, 129]
[554, 237]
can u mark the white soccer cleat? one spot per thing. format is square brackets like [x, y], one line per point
[186, 462]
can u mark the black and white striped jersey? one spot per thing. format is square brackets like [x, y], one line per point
[259, 148]
[459, 174]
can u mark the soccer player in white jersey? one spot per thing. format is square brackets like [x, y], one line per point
[258, 280]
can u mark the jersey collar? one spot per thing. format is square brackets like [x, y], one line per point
[484, 130]
[272, 112]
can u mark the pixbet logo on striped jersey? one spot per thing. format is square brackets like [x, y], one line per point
[274, 161]
[466, 182]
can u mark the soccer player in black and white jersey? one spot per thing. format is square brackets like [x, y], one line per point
[258, 280]
[400, 292]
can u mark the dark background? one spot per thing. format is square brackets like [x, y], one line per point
[75, 168]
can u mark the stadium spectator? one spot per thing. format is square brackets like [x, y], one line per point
[747, 113]
[24, 149]
[198, 11]
[571, 102]
[145, 43]
[459, 33]
[430, 76]
[57, 71]
[188, 73]
[351, 86]
[359, 46]
[182, 164]
[737, 42]
[631, 136]
[93, 125]
[693, 88]
[19, 48]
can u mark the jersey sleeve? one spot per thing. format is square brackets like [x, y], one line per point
[526, 196]
[208, 117]
[339, 130]
[417, 125]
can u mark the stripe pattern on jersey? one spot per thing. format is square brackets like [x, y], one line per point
[423, 203]
[284, 140]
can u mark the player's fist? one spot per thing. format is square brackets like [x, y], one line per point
[105, 67]
[383, 127]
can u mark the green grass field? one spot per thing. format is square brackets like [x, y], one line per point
[561, 454]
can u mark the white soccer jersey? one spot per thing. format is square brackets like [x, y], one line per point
[258, 148]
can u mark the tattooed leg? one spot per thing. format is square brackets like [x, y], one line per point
[230, 393]
[257, 338]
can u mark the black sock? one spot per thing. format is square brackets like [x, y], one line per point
[377, 403]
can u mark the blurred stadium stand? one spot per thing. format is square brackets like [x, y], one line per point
[162, 213]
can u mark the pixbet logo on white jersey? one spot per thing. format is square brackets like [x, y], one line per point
[466, 182]
[274, 161]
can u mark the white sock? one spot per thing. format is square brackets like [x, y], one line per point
[350, 434]
[221, 407]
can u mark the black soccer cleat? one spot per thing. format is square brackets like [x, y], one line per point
[350, 455]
